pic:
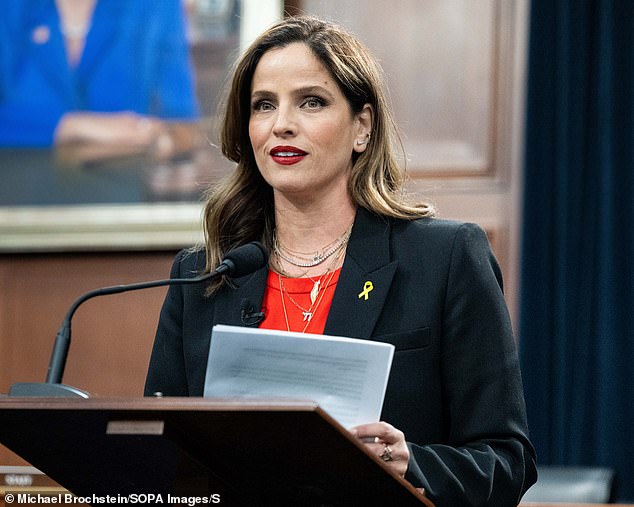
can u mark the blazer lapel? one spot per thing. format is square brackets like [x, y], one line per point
[363, 287]
[365, 279]
[236, 306]
[107, 24]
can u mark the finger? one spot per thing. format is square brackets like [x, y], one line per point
[378, 429]
[398, 450]
[379, 450]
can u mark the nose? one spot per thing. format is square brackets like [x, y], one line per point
[285, 122]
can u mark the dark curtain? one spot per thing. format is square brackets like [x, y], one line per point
[577, 306]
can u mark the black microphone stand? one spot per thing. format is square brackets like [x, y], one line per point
[53, 385]
[238, 262]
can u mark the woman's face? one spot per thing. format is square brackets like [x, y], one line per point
[302, 129]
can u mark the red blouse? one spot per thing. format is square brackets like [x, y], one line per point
[291, 309]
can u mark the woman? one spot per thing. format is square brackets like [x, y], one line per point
[317, 181]
[112, 76]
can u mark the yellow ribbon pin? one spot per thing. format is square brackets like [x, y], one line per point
[367, 287]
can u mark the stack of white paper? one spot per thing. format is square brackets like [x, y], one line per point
[346, 377]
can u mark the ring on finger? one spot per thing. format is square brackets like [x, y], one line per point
[386, 455]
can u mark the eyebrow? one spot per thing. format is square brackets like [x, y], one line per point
[300, 92]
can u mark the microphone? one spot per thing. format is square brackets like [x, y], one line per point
[240, 261]
[248, 315]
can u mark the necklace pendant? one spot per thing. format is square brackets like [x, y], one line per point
[314, 292]
[307, 316]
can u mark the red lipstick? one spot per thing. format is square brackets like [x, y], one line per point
[287, 155]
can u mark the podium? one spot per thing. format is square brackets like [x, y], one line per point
[231, 452]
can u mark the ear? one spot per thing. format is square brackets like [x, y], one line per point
[363, 124]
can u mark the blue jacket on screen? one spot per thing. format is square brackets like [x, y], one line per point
[135, 59]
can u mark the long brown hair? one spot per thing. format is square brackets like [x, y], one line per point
[240, 208]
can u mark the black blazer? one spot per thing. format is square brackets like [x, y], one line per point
[454, 388]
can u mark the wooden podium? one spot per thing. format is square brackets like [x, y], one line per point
[241, 453]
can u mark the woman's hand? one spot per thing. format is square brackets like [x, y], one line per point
[122, 128]
[386, 442]
[83, 137]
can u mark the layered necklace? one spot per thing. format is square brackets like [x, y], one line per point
[333, 251]
[311, 259]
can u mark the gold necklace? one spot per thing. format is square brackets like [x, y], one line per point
[305, 312]
[316, 283]
[313, 308]
[277, 267]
